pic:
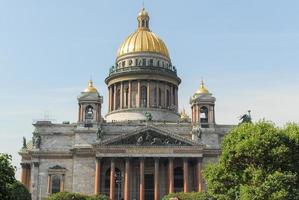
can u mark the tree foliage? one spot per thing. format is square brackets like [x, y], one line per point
[7, 176]
[258, 161]
[10, 188]
[75, 196]
[19, 192]
[188, 196]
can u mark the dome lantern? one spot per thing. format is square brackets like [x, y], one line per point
[143, 20]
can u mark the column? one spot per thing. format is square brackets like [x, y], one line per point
[23, 174]
[193, 114]
[171, 96]
[141, 185]
[138, 94]
[156, 186]
[28, 177]
[186, 174]
[176, 98]
[97, 177]
[165, 95]
[196, 114]
[148, 94]
[79, 113]
[82, 112]
[158, 95]
[127, 180]
[199, 175]
[121, 95]
[129, 95]
[62, 183]
[114, 97]
[170, 175]
[112, 180]
[110, 99]
[49, 184]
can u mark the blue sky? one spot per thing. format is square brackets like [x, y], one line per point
[246, 51]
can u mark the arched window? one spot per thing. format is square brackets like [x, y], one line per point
[151, 61]
[143, 97]
[143, 62]
[143, 23]
[56, 176]
[89, 112]
[118, 99]
[178, 179]
[118, 183]
[204, 120]
[56, 183]
[130, 62]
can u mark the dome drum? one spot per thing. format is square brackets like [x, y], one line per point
[142, 72]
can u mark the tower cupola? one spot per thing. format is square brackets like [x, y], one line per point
[90, 106]
[203, 107]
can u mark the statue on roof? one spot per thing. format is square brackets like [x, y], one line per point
[246, 118]
[24, 143]
[100, 133]
[36, 140]
[148, 116]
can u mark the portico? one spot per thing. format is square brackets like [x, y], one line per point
[146, 177]
[147, 164]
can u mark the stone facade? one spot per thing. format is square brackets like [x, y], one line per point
[142, 149]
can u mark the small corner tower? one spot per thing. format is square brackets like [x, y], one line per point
[90, 106]
[203, 107]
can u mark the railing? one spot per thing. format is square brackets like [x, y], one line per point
[116, 70]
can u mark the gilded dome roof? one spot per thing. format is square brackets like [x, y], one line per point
[143, 40]
[90, 88]
[202, 89]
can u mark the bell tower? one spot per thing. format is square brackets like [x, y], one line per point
[203, 107]
[90, 106]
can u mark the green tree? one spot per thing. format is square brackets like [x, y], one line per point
[258, 161]
[7, 176]
[75, 196]
[19, 192]
[188, 196]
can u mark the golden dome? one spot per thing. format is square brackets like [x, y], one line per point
[91, 88]
[202, 89]
[143, 40]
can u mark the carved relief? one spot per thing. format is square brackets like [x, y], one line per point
[150, 138]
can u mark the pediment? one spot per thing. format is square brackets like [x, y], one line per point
[149, 136]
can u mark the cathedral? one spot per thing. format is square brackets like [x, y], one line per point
[143, 148]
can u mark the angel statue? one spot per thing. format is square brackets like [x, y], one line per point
[100, 133]
[24, 143]
[246, 118]
[148, 116]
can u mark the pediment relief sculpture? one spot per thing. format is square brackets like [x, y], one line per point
[150, 138]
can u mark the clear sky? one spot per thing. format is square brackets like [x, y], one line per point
[246, 51]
